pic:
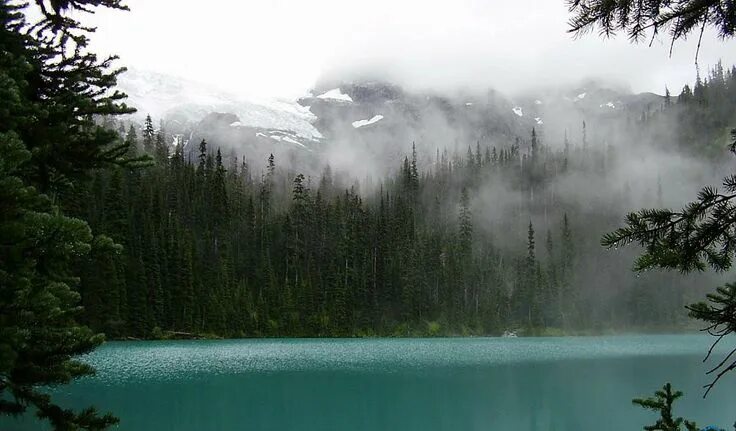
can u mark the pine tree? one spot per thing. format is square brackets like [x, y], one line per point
[567, 297]
[131, 142]
[46, 145]
[221, 205]
[161, 149]
[149, 136]
[531, 258]
[466, 253]
[662, 402]
[531, 295]
[465, 223]
[54, 104]
[535, 146]
[202, 158]
[40, 334]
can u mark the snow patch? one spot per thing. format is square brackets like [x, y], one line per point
[538, 120]
[361, 123]
[285, 138]
[236, 124]
[581, 96]
[293, 141]
[468, 103]
[168, 96]
[262, 135]
[335, 94]
[517, 110]
[610, 105]
[537, 102]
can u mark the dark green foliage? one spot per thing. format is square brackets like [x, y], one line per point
[701, 235]
[202, 257]
[63, 98]
[662, 402]
[465, 223]
[702, 232]
[637, 19]
[208, 249]
[38, 304]
[53, 94]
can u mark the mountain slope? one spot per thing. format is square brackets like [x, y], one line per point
[167, 97]
[369, 124]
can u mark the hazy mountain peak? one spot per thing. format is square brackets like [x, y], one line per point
[166, 96]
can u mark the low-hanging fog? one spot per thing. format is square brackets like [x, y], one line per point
[295, 170]
[327, 92]
[605, 151]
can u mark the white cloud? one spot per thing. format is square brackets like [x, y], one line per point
[281, 47]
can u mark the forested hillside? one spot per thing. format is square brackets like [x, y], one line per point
[208, 241]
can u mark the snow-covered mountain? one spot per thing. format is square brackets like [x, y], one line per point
[377, 121]
[167, 97]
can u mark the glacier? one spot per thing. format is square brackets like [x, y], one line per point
[165, 96]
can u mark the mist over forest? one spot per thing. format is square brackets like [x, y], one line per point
[364, 208]
[415, 215]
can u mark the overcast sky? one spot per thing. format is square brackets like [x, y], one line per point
[282, 47]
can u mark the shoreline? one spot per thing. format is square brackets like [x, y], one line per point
[555, 333]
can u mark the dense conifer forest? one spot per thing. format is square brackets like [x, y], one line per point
[207, 241]
[112, 227]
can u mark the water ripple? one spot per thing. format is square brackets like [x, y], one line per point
[118, 362]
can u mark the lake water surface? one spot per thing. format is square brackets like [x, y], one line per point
[566, 384]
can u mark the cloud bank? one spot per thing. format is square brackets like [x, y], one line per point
[281, 48]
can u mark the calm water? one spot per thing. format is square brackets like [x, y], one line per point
[397, 384]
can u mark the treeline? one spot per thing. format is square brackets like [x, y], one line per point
[699, 117]
[207, 244]
[478, 242]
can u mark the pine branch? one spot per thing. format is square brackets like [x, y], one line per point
[636, 17]
[701, 234]
[720, 314]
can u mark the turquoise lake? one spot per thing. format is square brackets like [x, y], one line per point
[570, 384]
